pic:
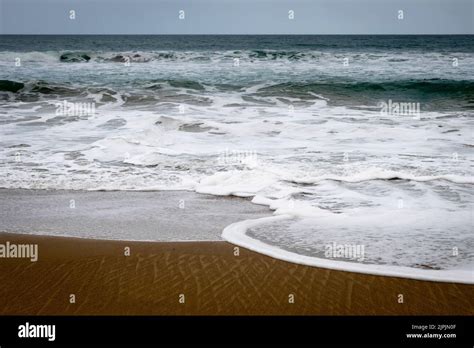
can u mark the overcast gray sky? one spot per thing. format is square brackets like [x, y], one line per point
[237, 17]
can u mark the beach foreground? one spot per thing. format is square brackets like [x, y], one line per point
[213, 280]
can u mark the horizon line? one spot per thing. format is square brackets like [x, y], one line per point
[123, 34]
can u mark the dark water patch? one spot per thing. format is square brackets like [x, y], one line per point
[424, 86]
[426, 266]
[186, 99]
[10, 86]
[18, 146]
[101, 90]
[431, 94]
[301, 103]
[113, 123]
[155, 86]
[62, 120]
[107, 98]
[136, 100]
[126, 58]
[445, 117]
[72, 155]
[27, 97]
[107, 95]
[74, 57]
[234, 105]
[258, 101]
[186, 84]
[450, 131]
[280, 54]
[311, 121]
[194, 128]
[31, 91]
[82, 171]
[46, 88]
[33, 124]
[18, 120]
[397, 60]
[119, 59]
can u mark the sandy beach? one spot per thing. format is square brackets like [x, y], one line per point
[140, 277]
[212, 279]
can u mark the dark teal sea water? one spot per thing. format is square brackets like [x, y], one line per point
[345, 69]
[444, 43]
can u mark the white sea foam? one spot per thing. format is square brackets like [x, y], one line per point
[235, 234]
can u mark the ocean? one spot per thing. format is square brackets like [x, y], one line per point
[353, 141]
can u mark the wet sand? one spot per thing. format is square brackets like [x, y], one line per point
[213, 280]
[123, 215]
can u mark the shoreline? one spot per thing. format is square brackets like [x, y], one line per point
[236, 234]
[123, 215]
[157, 216]
[213, 280]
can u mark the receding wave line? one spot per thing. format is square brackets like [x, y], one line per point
[144, 56]
[385, 175]
[149, 56]
[463, 88]
[443, 86]
[236, 234]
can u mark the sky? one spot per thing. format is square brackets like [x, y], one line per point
[237, 17]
